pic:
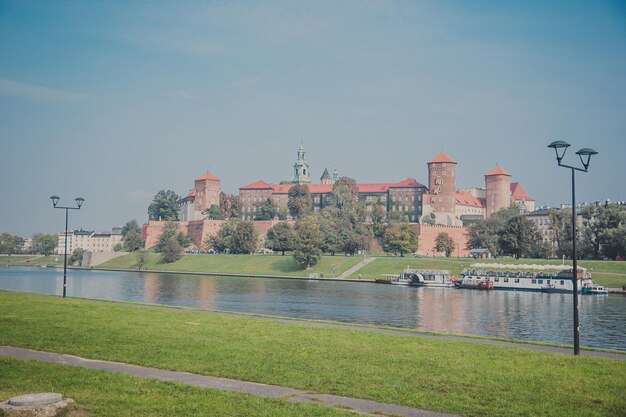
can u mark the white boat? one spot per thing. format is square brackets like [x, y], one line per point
[524, 277]
[594, 289]
[394, 279]
[429, 277]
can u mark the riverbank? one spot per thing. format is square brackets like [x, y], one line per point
[607, 273]
[441, 375]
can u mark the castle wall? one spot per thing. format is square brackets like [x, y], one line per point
[428, 233]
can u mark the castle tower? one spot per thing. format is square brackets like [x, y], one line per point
[442, 184]
[301, 172]
[498, 184]
[326, 179]
[335, 175]
[207, 188]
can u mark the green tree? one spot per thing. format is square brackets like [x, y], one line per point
[131, 236]
[561, 227]
[345, 193]
[379, 221]
[141, 258]
[600, 225]
[8, 243]
[172, 250]
[334, 234]
[171, 231]
[485, 233]
[118, 247]
[235, 236]
[429, 218]
[44, 244]
[280, 237]
[214, 213]
[308, 243]
[400, 238]
[77, 256]
[266, 211]
[299, 201]
[355, 243]
[519, 237]
[444, 243]
[230, 206]
[164, 206]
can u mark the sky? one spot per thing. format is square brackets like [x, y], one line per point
[113, 101]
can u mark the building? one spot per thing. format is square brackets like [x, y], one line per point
[205, 193]
[89, 240]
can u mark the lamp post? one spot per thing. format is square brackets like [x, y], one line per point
[560, 147]
[79, 202]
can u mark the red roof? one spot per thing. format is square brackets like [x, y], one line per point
[207, 176]
[259, 185]
[519, 193]
[497, 171]
[192, 193]
[442, 157]
[465, 198]
[328, 188]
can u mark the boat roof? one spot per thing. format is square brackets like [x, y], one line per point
[535, 267]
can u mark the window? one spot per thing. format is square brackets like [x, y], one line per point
[533, 281]
[517, 280]
[548, 281]
[496, 280]
[539, 281]
[506, 280]
[563, 282]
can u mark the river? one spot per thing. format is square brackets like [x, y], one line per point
[529, 316]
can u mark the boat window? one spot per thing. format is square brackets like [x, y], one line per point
[562, 282]
[548, 281]
[516, 280]
[506, 280]
[496, 279]
[540, 281]
[533, 281]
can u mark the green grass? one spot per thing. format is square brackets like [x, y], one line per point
[99, 393]
[456, 377]
[31, 260]
[237, 264]
[601, 270]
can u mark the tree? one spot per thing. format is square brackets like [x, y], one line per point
[485, 233]
[141, 258]
[333, 234]
[400, 238]
[230, 206]
[345, 193]
[379, 222]
[280, 237]
[171, 231]
[235, 236]
[307, 249]
[44, 244]
[299, 201]
[266, 211]
[8, 243]
[600, 226]
[561, 227]
[444, 243]
[131, 236]
[214, 213]
[172, 250]
[519, 237]
[355, 243]
[164, 206]
[118, 247]
[77, 256]
[429, 218]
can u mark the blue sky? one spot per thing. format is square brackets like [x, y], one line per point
[113, 101]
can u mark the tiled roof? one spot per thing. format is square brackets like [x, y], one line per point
[465, 198]
[207, 176]
[519, 193]
[497, 171]
[192, 193]
[259, 185]
[328, 188]
[539, 212]
[442, 157]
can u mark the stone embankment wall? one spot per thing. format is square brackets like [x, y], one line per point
[428, 233]
[96, 258]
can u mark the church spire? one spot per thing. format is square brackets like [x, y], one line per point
[301, 172]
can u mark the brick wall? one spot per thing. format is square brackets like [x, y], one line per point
[428, 233]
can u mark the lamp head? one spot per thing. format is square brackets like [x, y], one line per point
[559, 146]
[55, 199]
[585, 156]
[79, 201]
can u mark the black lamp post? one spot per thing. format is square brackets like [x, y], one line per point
[79, 202]
[560, 147]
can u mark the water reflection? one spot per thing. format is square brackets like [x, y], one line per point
[517, 315]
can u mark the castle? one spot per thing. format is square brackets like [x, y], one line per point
[440, 207]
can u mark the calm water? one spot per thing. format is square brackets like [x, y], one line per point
[507, 314]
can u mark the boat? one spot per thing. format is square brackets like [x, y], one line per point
[485, 284]
[594, 289]
[525, 277]
[429, 277]
[395, 279]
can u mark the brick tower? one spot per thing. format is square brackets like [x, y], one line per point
[207, 188]
[442, 184]
[498, 184]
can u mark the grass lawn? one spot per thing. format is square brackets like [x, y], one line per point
[456, 377]
[238, 264]
[31, 260]
[99, 393]
[396, 264]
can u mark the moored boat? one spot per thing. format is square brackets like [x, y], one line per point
[429, 277]
[594, 289]
[524, 277]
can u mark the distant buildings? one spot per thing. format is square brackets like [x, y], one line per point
[89, 241]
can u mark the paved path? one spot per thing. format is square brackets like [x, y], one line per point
[356, 267]
[400, 332]
[224, 384]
